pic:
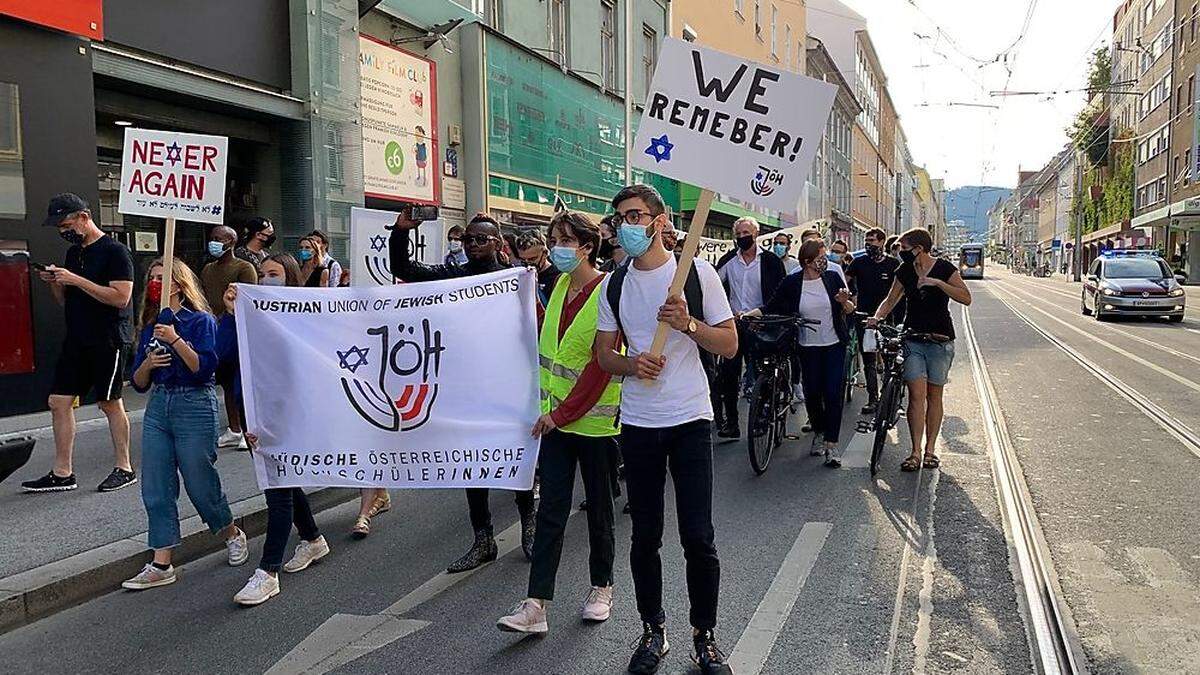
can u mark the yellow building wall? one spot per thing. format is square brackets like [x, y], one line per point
[718, 24]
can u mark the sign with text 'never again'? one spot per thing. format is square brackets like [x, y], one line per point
[731, 125]
[166, 174]
[393, 386]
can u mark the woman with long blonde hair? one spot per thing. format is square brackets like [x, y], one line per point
[175, 360]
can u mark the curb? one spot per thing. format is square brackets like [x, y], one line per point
[42, 591]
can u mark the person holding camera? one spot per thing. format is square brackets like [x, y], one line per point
[483, 243]
[95, 287]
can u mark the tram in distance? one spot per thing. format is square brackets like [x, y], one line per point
[970, 261]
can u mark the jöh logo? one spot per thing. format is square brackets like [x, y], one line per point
[407, 365]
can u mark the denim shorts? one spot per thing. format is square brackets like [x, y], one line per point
[928, 360]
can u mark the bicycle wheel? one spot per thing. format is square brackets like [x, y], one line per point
[760, 423]
[885, 416]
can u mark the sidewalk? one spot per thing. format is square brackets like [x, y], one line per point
[60, 549]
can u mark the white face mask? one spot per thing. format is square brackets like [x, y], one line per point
[455, 246]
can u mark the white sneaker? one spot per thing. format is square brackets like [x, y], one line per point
[598, 605]
[260, 588]
[239, 551]
[529, 616]
[150, 577]
[230, 438]
[307, 553]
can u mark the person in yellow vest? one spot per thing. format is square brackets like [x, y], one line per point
[578, 422]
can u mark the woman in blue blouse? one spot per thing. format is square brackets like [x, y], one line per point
[176, 357]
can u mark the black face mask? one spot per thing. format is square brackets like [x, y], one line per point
[874, 252]
[744, 243]
[71, 237]
[269, 241]
[909, 256]
[606, 249]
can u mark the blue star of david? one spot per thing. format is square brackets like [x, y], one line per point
[360, 358]
[660, 148]
[378, 242]
[173, 154]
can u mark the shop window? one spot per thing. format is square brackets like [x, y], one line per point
[12, 158]
[16, 340]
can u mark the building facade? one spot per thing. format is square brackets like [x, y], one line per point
[829, 190]
[1182, 244]
[1155, 101]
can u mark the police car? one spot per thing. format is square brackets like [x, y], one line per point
[1131, 283]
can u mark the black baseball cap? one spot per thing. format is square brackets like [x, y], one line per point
[63, 205]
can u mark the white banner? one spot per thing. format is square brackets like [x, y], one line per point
[165, 174]
[428, 385]
[399, 123]
[369, 261]
[732, 125]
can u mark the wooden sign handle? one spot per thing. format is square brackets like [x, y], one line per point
[168, 262]
[691, 244]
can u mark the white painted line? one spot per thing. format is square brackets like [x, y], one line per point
[925, 597]
[345, 637]
[858, 452]
[752, 649]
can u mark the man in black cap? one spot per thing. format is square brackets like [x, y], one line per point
[94, 286]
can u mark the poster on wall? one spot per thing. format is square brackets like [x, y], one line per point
[399, 124]
[369, 263]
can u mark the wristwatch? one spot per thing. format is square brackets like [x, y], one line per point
[692, 327]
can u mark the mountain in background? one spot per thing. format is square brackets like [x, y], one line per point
[970, 204]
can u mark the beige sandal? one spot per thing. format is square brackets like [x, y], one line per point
[362, 527]
[380, 505]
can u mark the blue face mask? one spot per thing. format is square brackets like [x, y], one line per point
[780, 250]
[216, 249]
[833, 257]
[566, 259]
[304, 255]
[633, 239]
[272, 281]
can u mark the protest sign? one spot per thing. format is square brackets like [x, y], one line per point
[369, 262]
[728, 125]
[712, 249]
[172, 175]
[393, 386]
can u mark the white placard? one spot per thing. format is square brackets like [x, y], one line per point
[399, 123]
[166, 174]
[393, 386]
[731, 125]
[712, 249]
[369, 262]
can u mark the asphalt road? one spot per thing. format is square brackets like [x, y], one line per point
[822, 571]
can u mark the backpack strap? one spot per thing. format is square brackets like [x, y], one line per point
[692, 292]
[616, 279]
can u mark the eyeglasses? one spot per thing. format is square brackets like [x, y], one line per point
[478, 239]
[632, 216]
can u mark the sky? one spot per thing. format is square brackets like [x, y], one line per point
[936, 52]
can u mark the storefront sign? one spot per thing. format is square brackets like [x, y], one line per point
[165, 174]
[399, 123]
[369, 261]
[454, 193]
[732, 125]
[78, 17]
[406, 389]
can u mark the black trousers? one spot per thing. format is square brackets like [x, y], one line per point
[481, 513]
[560, 452]
[285, 507]
[687, 450]
[870, 364]
[824, 374]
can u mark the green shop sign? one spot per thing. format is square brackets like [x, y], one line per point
[549, 128]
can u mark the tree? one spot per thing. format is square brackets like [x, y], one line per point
[1100, 70]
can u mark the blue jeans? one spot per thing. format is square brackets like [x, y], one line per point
[179, 438]
[929, 360]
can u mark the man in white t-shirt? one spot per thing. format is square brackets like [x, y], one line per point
[666, 419]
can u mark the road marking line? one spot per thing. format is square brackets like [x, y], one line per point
[858, 451]
[1127, 354]
[925, 597]
[752, 649]
[346, 637]
[1110, 327]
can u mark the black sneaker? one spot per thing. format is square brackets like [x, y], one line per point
[649, 650]
[116, 480]
[870, 408]
[708, 657]
[729, 431]
[50, 483]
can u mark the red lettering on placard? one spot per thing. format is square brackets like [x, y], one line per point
[178, 186]
[210, 153]
[191, 157]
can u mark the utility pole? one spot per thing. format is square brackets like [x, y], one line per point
[629, 91]
[1077, 254]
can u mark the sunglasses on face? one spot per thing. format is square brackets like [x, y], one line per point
[478, 239]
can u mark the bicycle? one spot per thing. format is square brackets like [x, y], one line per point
[892, 391]
[853, 365]
[773, 340]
